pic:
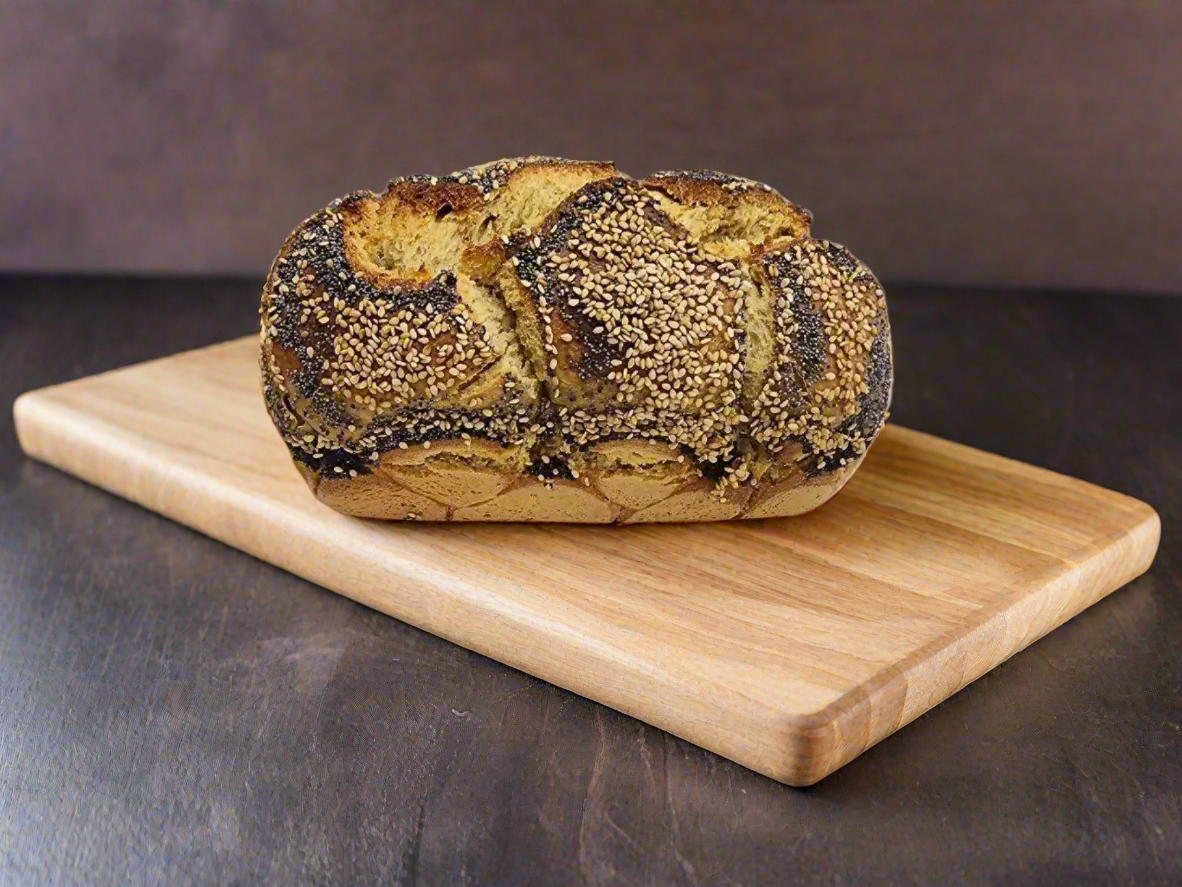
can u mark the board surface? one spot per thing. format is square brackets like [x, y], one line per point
[788, 645]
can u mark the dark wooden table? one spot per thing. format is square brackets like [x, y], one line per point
[174, 712]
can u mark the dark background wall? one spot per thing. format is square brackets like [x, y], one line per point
[1002, 143]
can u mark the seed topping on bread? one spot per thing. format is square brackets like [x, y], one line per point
[560, 320]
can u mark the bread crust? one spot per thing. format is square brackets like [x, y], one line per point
[539, 339]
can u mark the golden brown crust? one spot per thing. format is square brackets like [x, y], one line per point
[703, 186]
[542, 339]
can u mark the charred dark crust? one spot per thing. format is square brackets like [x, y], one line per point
[435, 197]
[874, 404]
[808, 344]
[528, 251]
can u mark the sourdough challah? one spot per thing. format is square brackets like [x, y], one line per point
[541, 339]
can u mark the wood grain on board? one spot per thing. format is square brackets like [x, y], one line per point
[787, 645]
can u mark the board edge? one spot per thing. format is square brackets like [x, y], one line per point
[819, 743]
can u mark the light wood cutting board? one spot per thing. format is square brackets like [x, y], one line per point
[789, 645]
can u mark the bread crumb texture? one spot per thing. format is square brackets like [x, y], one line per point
[540, 339]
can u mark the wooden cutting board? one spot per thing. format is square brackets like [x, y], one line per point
[787, 645]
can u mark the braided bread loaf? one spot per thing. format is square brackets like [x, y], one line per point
[542, 339]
